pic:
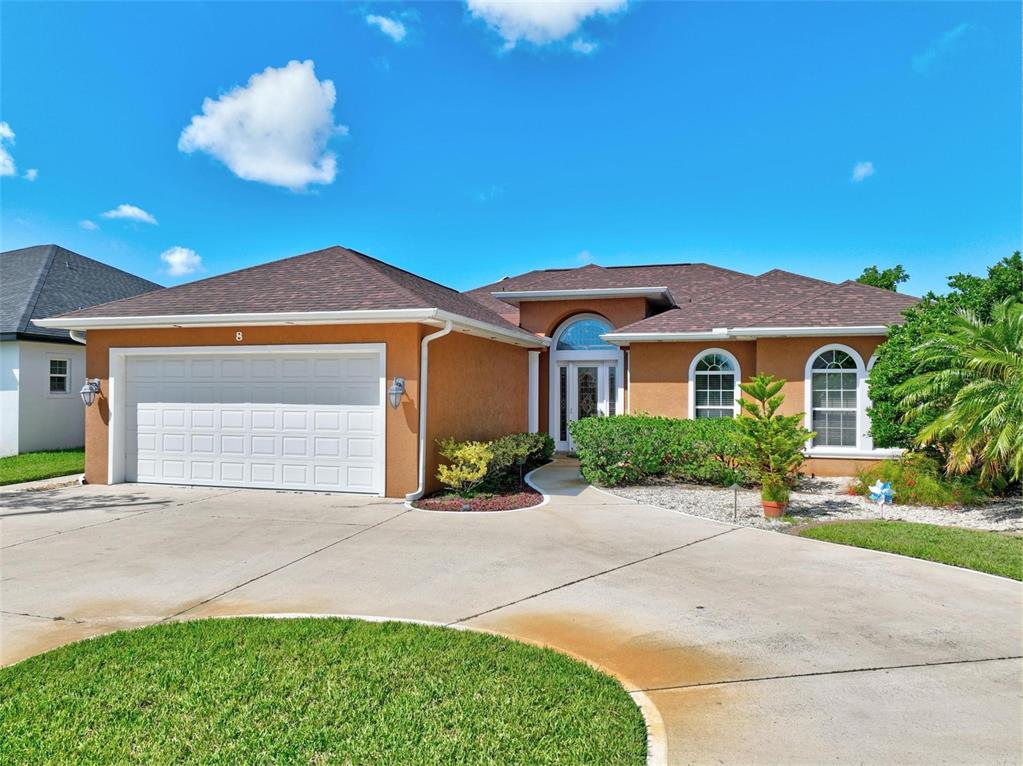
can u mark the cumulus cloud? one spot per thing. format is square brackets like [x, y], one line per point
[31, 174]
[861, 171]
[130, 213]
[181, 261]
[585, 47]
[538, 21]
[924, 62]
[7, 167]
[274, 130]
[88, 225]
[390, 27]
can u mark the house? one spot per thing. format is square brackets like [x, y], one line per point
[43, 368]
[335, 371]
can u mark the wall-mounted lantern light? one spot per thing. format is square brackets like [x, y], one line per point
[89, 391]
[395, 392]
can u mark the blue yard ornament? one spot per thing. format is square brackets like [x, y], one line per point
[881, 492]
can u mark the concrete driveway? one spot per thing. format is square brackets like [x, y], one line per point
[755, 647]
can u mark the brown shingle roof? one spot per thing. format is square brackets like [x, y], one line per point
[782, 299]
[334, 279]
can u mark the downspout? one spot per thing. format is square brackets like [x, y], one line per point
[424, 368]
[77, 336]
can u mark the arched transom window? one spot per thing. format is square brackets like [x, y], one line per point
[714, 377]
[834, 403]
[584, 335]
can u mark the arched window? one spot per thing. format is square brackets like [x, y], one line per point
[584, 335]
[714, 381]
[835, 403]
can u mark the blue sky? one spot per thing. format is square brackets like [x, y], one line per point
[487, 142]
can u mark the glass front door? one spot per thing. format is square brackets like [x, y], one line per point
[586, 390]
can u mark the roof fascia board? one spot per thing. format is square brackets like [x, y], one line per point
[369, 316]
[732, 333]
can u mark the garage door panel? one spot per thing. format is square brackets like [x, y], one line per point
[308, 422]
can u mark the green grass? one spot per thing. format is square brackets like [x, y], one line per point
[41, 465]
[984, 551]
[312, 691]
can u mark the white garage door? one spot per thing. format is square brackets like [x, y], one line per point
[282, 420]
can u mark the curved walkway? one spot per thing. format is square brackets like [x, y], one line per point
[755, 647]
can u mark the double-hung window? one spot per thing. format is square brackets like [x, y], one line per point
[60, 370]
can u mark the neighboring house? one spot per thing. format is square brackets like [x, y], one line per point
[43, 369]
[335, 371]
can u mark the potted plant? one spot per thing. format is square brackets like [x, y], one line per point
[771, 445]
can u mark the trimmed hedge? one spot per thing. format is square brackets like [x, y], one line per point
[626, 449]
[511, 457]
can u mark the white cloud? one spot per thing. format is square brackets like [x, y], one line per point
[130, 213]
[88, 225]
[390, 27]
[7, 167]
[584, 256]
[181, 261]
[31, 174]
[538, 21]
[585, 47]
[275, 129]
[924, 62]
[862, 171]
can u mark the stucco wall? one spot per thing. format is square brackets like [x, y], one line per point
[660, 373]
[45, 420]
[402, 360]
[10, 365]
[478, 389]
[544, 316]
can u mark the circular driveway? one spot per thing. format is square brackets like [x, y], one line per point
[755, 647]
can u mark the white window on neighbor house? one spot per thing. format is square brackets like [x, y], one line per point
[837, 413]
[60, 371]
[714, 378]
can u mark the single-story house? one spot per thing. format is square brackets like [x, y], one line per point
[43, 368]
[335, 371]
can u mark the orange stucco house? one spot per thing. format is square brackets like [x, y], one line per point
[335, 371]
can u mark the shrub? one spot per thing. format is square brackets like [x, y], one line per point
[918, 480]
[626, 449]
[771, 445]
[467, 466]
[514, 456]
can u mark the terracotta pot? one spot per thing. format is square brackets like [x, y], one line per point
[773, 510]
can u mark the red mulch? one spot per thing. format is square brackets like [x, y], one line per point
[510, 502]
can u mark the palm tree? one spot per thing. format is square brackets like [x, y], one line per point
[973, 372]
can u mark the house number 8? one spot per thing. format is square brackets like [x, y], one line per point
[238, 337]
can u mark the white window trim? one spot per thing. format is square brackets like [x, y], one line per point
[863, 446]
[117, 382]
[692, 379]
[67, 376]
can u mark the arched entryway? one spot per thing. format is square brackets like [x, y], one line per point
[586, 377]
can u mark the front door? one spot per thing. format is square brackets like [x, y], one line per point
[586, 390]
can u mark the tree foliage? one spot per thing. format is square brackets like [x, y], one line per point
[894, 424]
[887, 279]
[973, 375]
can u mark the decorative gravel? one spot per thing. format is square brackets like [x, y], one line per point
[818, 500]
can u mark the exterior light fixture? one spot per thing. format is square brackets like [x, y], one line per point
[89, 391]
[394, 392]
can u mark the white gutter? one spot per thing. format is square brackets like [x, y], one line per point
[731, 333]
[77, 336]
[514, 296]
[369, 316]
[424, 369]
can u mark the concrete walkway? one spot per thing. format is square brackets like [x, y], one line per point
[755, 647]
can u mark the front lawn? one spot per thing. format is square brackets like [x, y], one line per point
[989, 552]
[312, 691]
[31, 466]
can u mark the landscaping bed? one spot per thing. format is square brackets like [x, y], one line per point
[991, 552]
[512, 501]
[33, 466]
[312, 691]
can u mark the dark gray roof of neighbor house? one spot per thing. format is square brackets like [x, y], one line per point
[333, 279]
[46, 280]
